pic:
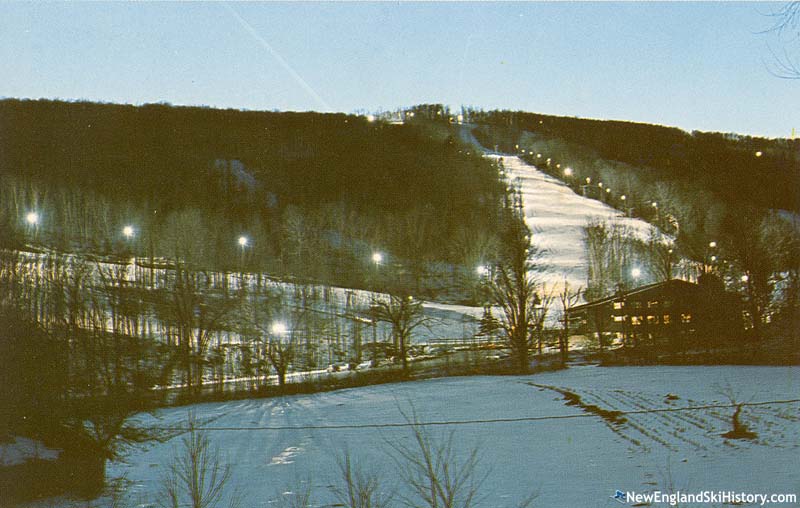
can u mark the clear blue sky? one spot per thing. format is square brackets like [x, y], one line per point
[692, 65]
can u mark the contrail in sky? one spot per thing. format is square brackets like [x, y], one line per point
[279, 58]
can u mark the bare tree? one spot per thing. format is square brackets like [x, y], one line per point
[786, 65]
[197, 313]
[197, 475]
[739, 429]
[543, 303]
[661, 256]
[404, 314]
[753, 240]
[359, 489]
[297, 495]
[474, 247]
[433, 473]
[567, 298]
[101, 429]
[513, 289]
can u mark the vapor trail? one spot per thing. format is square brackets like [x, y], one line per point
[279, 58]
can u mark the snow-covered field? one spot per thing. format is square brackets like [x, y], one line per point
[572, 462]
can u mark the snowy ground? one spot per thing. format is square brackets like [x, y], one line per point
[575, 462]
[22, 449]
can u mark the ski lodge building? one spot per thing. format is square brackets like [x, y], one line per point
[671, 312]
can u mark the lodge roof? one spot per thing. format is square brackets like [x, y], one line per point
[672, 284]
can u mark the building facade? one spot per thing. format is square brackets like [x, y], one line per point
[675, 313]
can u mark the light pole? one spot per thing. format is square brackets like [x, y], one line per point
[128, 233]
[243, 243]
[377, 261]
[32, 218]
[538, 310]
[484, 276]
[709, 259]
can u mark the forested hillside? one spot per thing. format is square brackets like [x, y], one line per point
[730, 202]
[755, 171]
[315, 194]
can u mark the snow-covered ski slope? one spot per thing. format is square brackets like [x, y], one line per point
[557, 216]
[571, 462]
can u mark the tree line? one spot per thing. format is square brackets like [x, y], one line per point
[315, 193]
[720, 204]
[87, 344]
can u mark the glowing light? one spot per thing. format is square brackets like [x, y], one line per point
[608, 189]
[567, 171]
[759, 154]
[370, 118]
[745, 278]
[377, 258]
[655, 205]
[623, 197]
[713, 258]
[712, 244]
[600, 185]
[482, 270]
[32, 218]
[278, 328]
[127, 231]
[636, 273]
[243, 241]
[588, 180]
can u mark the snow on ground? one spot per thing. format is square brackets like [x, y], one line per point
[557, 217]
[569, 462]
[22, 449]
[554, 212]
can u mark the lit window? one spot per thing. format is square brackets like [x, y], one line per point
[636, 320]
[686, 318]
[618, 305]
[619, 318]
[651, 320]
[665, 319]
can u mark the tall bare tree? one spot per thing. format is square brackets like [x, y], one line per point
[197, 310]
[513, 288]
[404, 314]
[567, 298]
